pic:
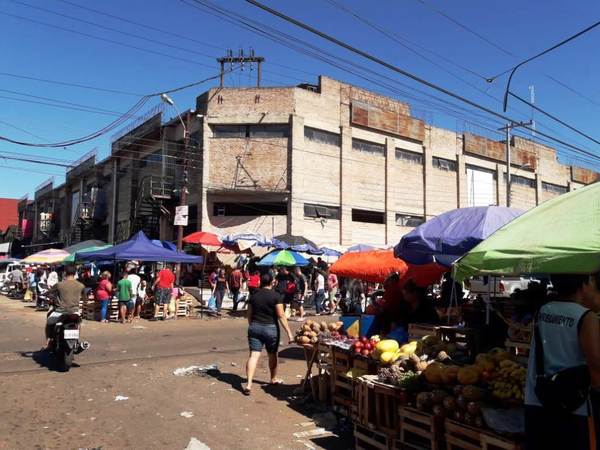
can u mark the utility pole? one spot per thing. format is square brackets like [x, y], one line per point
[506, 129]
[241, 60]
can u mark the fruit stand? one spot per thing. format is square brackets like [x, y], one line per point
[430, 392]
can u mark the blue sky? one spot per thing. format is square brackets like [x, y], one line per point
[161, 61]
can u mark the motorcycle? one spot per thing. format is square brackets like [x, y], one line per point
[15, 291]
[64, 340]
[42, 299]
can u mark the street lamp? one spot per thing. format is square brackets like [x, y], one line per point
[184, 191]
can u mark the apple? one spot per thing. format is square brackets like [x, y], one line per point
[357, 350]
[358, 344]
[365, 352]
[368, 346]
[364, 339]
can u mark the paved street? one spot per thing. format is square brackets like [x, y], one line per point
[42, 408]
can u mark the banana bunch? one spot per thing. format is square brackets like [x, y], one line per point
[509, 381]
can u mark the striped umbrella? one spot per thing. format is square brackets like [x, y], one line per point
[50, 256]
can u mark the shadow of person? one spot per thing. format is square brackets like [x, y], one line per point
[295, 352]
[44, 359]
[232, 379]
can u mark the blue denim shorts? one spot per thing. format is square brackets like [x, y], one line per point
[261, 334]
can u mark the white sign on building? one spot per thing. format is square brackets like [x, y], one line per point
[181, 216]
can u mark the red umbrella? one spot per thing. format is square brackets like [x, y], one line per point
[376, 265]
[203, 238]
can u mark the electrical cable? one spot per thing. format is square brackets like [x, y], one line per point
[404, 72]
[546, 51]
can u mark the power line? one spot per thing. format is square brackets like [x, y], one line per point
[64, 83]
[544, 52]
[143, 25]
[403, 72]
[112, 41]
[115, 30]
[502, 49]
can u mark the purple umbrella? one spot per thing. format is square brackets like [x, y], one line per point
[450, 235]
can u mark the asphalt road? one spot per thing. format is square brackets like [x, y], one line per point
[43, 408]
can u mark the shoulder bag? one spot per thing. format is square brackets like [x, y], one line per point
[563, 391]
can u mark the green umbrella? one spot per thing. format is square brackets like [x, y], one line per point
[71, 257]
[561, 235]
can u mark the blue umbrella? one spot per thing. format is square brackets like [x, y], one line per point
[330, 252]
[450, 235]
[258, 239]
[360, 248]
[283, 258]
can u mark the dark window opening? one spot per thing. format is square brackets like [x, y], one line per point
[250, 209]
[321, 136]
[368, 147]
[276, 130]
[321, 211]
[409, 220]
[409, 156]
[444, 164]
[365, 216]
[555, 188]
[521, 181]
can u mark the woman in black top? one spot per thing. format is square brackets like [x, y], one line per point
[265, 309]
[221, 288]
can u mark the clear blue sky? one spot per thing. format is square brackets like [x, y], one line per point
[32, 49]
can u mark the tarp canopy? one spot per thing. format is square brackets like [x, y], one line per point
[83, 245]
[447, 237]
[164, 244]
[246, 240]
[139, 247]
[357, 248]
[294, 240]
[561, 235]
[93, 248]
[49, 256]
[376, 265]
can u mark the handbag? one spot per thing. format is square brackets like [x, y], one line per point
[563, 391]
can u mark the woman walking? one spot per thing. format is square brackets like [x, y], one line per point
[220, 290]
[265, 309]
[104, 294]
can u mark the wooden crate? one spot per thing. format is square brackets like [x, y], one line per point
[419, 430]
[388, 399]
[91, 310]
[341, 384]
[366, 439]
[363, 402]
[464, 437]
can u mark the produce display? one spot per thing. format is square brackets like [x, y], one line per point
[312, 331]
[365, 346]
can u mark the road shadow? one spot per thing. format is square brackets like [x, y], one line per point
[232, 379]
[293, 353]
[45, 360]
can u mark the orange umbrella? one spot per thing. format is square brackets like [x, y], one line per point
[376, 265]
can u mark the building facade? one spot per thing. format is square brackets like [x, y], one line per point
[333, 162]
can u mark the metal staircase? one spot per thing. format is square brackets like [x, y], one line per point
[86, 217]
[154, 201]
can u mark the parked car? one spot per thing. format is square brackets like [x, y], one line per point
[496, 287]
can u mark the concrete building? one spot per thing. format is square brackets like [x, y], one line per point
[333, 162]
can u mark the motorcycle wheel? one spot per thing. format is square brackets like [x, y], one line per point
[66, 360]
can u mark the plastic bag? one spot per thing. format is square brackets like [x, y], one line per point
[212, 303]
[28, 295]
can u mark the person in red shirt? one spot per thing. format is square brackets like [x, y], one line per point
[235, 284]
[253, 282]
[163, 286]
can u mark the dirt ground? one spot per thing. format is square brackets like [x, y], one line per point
[43, 408]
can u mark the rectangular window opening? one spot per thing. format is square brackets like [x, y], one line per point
[444, 164]
[366, 216]
[321, 211]
[409, 220]
[409, 156]
[250, 209]
[368, 147]
[321, 136]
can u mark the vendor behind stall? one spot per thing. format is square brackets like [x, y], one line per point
[405, 304]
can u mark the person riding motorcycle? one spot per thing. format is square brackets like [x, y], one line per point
[16, 276]
[66, 295]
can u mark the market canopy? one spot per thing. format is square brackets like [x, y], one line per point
[139, 247]
[283, 258]
[71, 249]
[293, 240]
[561, 235]
[165, 244]
[246, 240]
[203, 238]
[357, 248]
[447, 237]
[71, 258]
[376, 265]
[49, 256]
